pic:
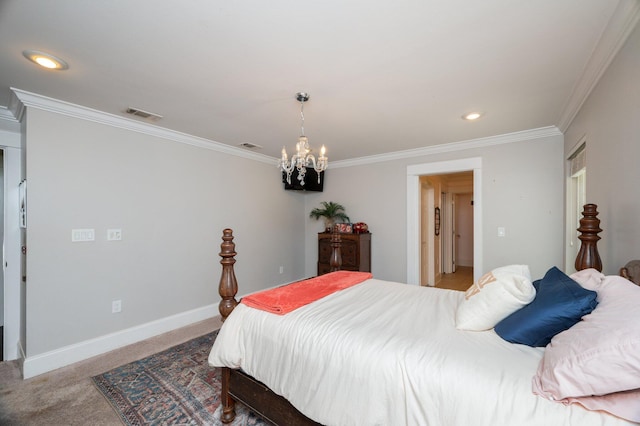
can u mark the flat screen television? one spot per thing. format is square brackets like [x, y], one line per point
[310, 181]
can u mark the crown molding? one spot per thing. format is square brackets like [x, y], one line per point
[21, 99]
[8, 121]
[32, 100]
[5, 114]
[619, 27]
[542, 132]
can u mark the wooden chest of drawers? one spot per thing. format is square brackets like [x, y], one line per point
[355, 250]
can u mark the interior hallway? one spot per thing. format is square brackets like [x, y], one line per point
[460, 280]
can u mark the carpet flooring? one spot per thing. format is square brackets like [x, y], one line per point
[172, 387]
[67, 396]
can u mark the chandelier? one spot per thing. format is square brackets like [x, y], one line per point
[303, 157]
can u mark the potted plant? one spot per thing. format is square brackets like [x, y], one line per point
[331, 213]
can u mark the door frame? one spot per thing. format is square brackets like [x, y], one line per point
[10, 143]
[413, 211]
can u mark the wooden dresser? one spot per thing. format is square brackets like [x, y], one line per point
[355, 250]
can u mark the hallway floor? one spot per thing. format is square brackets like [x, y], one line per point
[461, 280]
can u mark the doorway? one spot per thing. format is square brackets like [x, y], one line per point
[460, 273]
[447, 230]
[2, 239]
[414, 226]
[13, 301]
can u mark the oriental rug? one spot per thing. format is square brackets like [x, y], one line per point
[173, 387]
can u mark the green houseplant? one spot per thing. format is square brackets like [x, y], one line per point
[331, 213]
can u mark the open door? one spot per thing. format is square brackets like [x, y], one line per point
[427, 237]
[454, 235]
[448, 233]
[463, 250]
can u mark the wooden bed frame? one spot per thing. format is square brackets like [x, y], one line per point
[238, 386]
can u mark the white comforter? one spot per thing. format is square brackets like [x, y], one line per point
[383, 353]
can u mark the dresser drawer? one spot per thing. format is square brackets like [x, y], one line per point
[355, 252]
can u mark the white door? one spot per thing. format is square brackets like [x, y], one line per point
[427, 247]
[454, 235]
[464, 230]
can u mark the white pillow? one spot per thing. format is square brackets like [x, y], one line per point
[496, 295]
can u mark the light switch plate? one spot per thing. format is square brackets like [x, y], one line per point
[79, 235]
[114, 234]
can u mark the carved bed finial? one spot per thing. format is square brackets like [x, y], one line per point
[588, 256]
[228, 287]
[335, 261]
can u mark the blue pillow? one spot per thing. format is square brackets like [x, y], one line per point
[560, 303]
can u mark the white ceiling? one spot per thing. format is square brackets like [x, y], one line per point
[383, 75]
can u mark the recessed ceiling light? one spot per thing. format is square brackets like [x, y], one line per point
[45, 60]
[472, 116]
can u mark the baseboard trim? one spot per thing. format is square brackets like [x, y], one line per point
[48, 361]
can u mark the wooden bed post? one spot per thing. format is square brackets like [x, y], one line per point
[588, 256]
[236, 385]
[227, 289]
[228, 403]
[335, 261]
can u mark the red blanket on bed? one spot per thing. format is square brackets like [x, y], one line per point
[285, 299]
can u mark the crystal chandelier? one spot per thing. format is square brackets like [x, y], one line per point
[303, 157]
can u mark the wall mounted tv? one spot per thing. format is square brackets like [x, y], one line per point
[310, 181]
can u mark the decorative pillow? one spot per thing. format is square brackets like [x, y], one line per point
[560, 302]
[494, 296]
[588, 278]
[601, 354]
[625, 405]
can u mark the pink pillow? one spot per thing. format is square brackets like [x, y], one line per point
[588, 278]
[600, 354]
[625, 405]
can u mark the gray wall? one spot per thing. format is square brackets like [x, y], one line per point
[171, 201]
[609, 122]
[521, 191]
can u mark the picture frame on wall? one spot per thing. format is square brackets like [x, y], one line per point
[22, 200]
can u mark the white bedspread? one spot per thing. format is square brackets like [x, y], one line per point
[383, 353]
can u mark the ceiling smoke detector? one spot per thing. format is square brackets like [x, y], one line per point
[143, 114]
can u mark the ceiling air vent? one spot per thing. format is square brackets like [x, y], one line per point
[249, 145]
[143, 114]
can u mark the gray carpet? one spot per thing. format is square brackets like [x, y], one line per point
[67, 396]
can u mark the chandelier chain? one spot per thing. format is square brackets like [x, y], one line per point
[302, 116]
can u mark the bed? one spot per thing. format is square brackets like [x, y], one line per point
[384, 353]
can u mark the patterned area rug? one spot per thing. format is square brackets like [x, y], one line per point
[173, 387]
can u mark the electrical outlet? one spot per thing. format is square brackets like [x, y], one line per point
[116, 306]
[282, 269]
